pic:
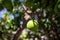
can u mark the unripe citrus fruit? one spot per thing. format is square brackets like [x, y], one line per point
[32, 25]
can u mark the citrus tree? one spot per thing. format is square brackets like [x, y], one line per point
[30, 19]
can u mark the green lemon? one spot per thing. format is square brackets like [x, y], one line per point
[32, 25]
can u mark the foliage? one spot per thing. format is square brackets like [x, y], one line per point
[49, 25]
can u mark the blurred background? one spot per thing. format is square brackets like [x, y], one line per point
[12, 12]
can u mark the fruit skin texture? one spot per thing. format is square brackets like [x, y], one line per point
[32, 25]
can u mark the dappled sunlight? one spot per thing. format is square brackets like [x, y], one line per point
[29, 19]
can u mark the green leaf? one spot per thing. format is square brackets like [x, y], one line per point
[0, 28]
[0, 1]
[59, 6]
[58, 0]
[8, 4]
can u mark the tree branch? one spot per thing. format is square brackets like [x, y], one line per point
[16, 36]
